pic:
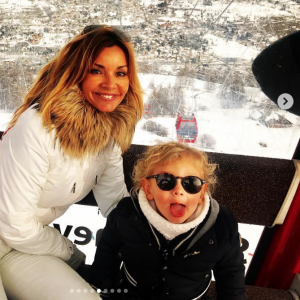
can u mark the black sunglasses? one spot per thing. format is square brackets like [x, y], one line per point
[167, 182]
[123, 35]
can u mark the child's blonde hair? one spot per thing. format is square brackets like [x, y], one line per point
[164, 153]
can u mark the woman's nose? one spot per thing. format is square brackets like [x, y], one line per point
[109, 82]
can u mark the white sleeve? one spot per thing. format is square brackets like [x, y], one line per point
[111, 187]
[24, 163]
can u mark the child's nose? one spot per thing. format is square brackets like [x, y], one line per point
[178, 189]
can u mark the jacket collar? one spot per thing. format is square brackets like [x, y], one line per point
[215, 208]
[209, 222]
[82, 130]
[166, 228]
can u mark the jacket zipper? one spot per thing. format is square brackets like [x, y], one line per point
[157, 240]
[184, 240]
[199, 297]
[73, 188]
[129, 277]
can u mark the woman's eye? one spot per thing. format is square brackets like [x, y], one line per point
[121, 74]
[96, 71]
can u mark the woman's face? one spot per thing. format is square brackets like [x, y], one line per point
[107, 83]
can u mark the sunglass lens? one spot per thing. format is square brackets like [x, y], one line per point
[191, 184]
[166, 182]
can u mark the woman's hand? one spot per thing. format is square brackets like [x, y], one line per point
[77, 257]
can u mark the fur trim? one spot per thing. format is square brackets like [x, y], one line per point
[83, 130]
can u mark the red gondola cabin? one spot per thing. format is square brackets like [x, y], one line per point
[186, 128]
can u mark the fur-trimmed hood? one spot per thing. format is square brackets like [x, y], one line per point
[82, 130]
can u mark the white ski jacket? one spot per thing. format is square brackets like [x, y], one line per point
[38, 184]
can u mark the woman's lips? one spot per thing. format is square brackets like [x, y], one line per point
[177, 210]
[106, 97]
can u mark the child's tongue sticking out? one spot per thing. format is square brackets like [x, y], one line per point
[177, 210]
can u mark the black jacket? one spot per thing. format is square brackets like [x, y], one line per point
[157, 269]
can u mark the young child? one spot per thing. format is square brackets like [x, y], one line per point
[163, 242]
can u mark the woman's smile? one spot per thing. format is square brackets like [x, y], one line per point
[106, 97]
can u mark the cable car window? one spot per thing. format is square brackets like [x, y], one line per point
[194, 58]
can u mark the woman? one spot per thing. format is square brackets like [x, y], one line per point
[64, 140]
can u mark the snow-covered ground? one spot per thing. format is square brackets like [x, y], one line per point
[235, 131]
[232, 133]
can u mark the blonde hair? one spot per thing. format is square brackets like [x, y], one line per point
[69, 68]
[165, 153]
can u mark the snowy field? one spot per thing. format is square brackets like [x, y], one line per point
[233, 134]
[235, 131]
